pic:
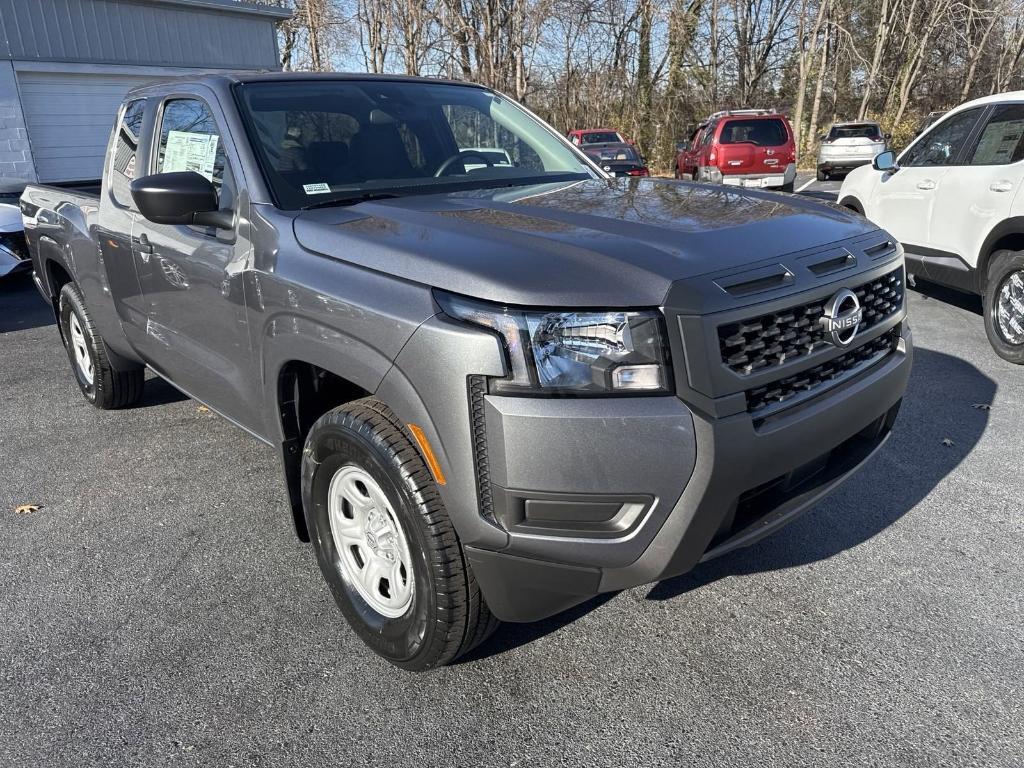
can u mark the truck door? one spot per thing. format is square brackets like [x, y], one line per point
[196, 325]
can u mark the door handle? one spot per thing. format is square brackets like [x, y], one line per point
[1001, 186]
[144, 247]
[926, 184]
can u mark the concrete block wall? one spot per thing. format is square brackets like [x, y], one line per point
[15, 152]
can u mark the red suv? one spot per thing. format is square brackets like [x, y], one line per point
[746, 148]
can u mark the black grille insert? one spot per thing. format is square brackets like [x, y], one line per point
[761, 342]
[822, 375]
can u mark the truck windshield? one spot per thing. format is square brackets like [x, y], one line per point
[347, 140]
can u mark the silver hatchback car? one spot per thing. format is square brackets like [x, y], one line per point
[849, 145]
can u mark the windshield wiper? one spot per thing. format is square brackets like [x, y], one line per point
[362, 197]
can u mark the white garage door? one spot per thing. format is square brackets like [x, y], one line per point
[69, 117]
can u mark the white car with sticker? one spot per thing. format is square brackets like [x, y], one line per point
[952, 198]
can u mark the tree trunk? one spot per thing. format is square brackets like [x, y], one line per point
[881, 43]
[812, 131]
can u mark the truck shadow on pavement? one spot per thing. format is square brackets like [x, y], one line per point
[938, 407]
[967, 301]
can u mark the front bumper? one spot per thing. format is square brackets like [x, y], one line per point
[747, 482]
[556, 500]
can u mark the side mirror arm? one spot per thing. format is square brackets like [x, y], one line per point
[221, 219]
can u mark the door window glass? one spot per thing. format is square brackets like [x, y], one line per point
[1002, 140]
[942, 144]
[126, 147]
[190, 141]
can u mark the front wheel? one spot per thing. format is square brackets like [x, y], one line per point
[102, 385]
[822, 174]
[384, 542]
[1004, 305]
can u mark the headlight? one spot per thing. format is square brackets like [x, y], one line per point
[574, 352]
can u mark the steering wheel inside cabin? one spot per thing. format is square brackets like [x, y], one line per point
[459, 156]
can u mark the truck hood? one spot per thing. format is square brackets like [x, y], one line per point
[607, 243]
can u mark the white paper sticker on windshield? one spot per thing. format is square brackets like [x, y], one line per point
[316, 189]
[190, 152]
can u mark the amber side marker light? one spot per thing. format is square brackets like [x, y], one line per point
[428, 454]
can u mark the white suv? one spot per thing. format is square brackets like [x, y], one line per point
[953, 200]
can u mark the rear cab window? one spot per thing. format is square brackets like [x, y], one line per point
[864, 131]
[125, 151]
[602, 137]
[760, 131]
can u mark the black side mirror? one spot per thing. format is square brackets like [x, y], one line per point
[886, 161]
[181, 197]
[681, 146]
[823, 137]
[887, 137]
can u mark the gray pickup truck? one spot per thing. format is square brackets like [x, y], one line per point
[498, 388]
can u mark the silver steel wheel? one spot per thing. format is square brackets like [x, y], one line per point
[80, 348]
[371, 544]
[1010, 308]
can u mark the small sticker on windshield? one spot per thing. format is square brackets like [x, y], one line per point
[316, 189]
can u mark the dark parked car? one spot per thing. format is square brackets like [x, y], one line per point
[617, 159]
[497, 388]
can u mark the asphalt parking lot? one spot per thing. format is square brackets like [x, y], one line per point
[158, 610]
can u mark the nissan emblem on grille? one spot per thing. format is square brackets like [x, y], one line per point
[841, 318]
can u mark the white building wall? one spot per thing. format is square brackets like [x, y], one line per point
[15, 152]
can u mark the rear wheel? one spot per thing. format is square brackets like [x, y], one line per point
[384, 541]
[1004, 305]
[822, 174]
[101, 384]
[787, 187]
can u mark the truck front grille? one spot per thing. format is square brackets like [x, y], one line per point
[761, 342]
[821, 376]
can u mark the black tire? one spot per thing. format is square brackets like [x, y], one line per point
[1005, 266]
[788, 187]
[447, 615]
[822, 174]
[109, 388]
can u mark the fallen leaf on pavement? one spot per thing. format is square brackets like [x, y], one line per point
[982, 406]
[27, 509]
[202, 409]
[947, 442]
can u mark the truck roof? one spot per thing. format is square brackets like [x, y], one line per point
[227, 78]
